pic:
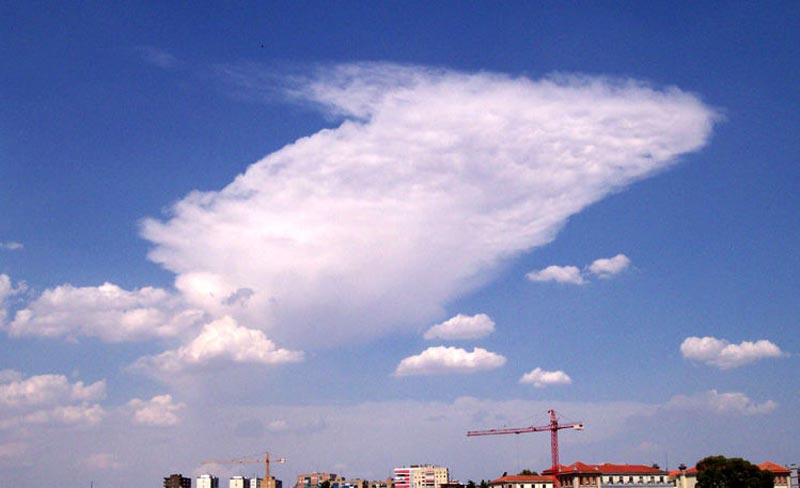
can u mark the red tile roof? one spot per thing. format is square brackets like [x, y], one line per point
[521, 478]
[689, 472]
[773, 467]
[608, 468]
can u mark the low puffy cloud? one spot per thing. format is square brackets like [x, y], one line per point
[731, 403]
[159, 411]
[43, 390]
[107, 312]
[724, 355]
[431, 181]
[541, 378]
[607, 267]
[220, 340]
[462, 327]
[7, 290]
[602, 268]
[48, 399]
[559, 274]
[446, 360]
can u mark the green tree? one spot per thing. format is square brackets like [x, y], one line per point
[470, 484]
[722, 472]
[484, 484]
[325, 484]
[528, 472]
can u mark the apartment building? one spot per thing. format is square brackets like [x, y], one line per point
[314, 480]
[421, 476]
[206, 481]
[177, 481]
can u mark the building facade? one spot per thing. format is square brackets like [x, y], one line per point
[207, 481]
[421, 476]
[239, 482]
[314, 480]
[523, 481]
[177, 481]
[581, 475]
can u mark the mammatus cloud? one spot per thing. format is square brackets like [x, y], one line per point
[159, 411]
[432, 180]
[447, 360]
[559, 274]
[607, 267]
[541, 378]
[462, 327]
[603, 268]
[48, 399]
[720, 403]
[724, 355]
[221, 339]
[107, 312]
[11, 246]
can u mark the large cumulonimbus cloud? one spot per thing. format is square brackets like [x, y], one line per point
[431, 181]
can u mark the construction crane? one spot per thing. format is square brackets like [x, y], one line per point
[268, 483]
[553, 427]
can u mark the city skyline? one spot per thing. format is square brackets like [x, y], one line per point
[348, 234]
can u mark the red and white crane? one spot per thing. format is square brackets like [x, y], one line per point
[553, 427]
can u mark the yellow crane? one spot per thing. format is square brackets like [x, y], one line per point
[269, 482]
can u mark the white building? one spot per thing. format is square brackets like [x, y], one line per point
[421, 476]
[239, 482]
[523, 481]
[207, 481]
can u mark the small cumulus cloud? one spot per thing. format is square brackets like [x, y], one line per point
[449, 360]
[724, 355]
[712, 401]
[559, 274]
[607, 267]
[221, 340]
[602, 268]
[462, 327]
[541, 378]
[159, 411]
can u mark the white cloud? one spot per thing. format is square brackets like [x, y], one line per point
[541, 378]
[224, 340]
[48, 399]
[11, 246]
[7, 290]
[446, 360]
[720, 403]
[559, 274]
[48, 389]
[434, 179]
[462, 327]
[107, 312]
[724, 355]
[159, 411]
[607, 267]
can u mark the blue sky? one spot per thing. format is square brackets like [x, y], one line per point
[239, 224]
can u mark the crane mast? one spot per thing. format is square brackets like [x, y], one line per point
[553, 427]
[266, 460]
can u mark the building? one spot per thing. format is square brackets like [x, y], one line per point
[782, 474]
[523, 481]
[239, 482]
[685, 477]
[581, 475]
[421, 476]
[341, 482]
[177, 481]
[207, 481]
[314, 480]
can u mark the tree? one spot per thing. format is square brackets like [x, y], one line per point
[528, 472]
[484, 484]
[470, 484]
[325, 484]
[722, 472]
